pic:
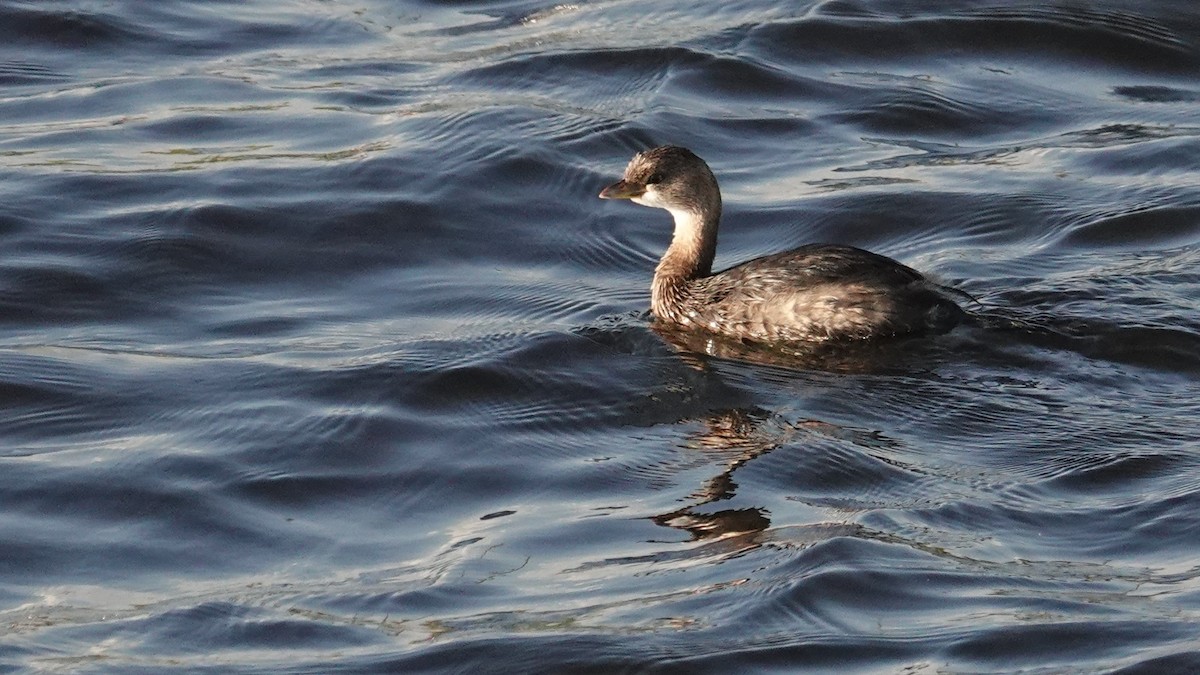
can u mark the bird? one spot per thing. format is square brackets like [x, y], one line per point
[812, 294]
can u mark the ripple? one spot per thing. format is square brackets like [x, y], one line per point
[1156, 94]
[18, 73]
[604, 248]
[859, 31]
[1108, 136]
[922, 105]
[73, 29]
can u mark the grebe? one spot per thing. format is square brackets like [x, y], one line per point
[814, 293]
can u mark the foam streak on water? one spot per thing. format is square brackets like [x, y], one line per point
[319, 354]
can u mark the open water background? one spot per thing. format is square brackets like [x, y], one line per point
[319, 354]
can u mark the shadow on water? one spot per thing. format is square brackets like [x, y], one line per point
[1163, 348]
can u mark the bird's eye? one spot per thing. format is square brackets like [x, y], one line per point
[654, 178]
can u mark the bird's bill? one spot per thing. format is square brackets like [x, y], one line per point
[622, 189]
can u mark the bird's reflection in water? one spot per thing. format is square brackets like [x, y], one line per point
[858, 357]
[740, 435]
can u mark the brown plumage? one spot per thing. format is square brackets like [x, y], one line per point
[813, 293]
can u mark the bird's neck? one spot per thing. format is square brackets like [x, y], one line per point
[689, 257]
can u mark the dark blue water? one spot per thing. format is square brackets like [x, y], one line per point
[319, 354]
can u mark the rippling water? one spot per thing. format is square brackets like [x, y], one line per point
[319, 354]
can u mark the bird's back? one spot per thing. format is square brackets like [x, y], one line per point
[819, 292]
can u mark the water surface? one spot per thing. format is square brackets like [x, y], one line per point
[319, 354]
